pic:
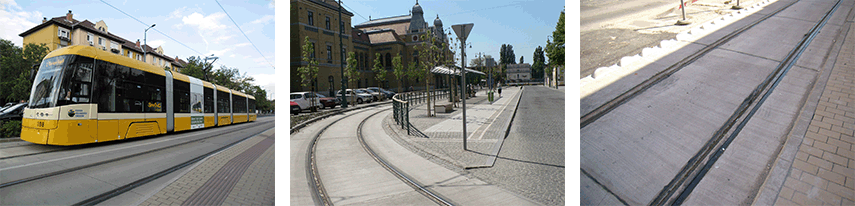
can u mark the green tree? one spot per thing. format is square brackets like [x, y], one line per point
[16, 69]
[555, 50]
[506, 56]
[538, 65]
[309, 72]
[430, 53]
[398, 71]
[196, 68]
[379, 71]
[351, 73]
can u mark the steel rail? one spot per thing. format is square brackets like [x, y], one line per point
[130, 186]
[399, 174]
[319, 193]
[624, 97]
[42, 176]
[783, 67]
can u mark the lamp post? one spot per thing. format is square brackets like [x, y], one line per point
[209, 65]
[341, 62]
[145, 36]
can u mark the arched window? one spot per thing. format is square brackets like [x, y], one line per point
[388, 60]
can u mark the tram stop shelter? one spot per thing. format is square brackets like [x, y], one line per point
[449, 72]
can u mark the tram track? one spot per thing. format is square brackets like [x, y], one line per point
[681, 186]
[112, 160]
[319, 191]
[624, 97]
[433, 196]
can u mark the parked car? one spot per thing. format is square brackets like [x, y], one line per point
[387, 93]
[306, 100]
[374, 95]
[14, 112]
[356, 95]
[327, 101]
[295, 108]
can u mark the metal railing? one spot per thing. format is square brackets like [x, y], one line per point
[403, 103]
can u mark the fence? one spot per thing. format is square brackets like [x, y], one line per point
[403, 103]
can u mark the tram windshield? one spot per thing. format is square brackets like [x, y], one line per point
[62, 80]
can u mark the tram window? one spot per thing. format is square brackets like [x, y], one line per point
[156, 92]
[105, 86]
[209, 100]
[223, 105]
[77, 82]
[133, 97]
[251, 106]
[181, 96]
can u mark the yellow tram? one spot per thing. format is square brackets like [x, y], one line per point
[85, 95]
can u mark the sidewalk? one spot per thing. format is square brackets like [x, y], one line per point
[240, 175]
[823, 170]
[487, 124]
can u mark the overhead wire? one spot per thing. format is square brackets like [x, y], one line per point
[244, 34]
[155, 29]
[354, 11]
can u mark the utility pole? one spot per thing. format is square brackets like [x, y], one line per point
[341, 60]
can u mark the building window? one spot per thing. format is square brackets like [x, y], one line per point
[329, 54]
[388, 61]
[314, 49]
[328, 23]
[311, 18]
[100, 41]
[89, 38]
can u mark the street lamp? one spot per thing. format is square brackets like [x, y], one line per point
[209, 66]
[145, 36]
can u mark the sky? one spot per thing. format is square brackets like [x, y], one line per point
[522, 24]
[202, 26]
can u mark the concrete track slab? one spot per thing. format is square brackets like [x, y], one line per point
[608, 92]
[349, 174]
[458, 188]
[771, 39]
[740, 172]
[671, 121]
[594, 194]
[299, 142]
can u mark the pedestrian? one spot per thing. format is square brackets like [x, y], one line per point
[500, 89]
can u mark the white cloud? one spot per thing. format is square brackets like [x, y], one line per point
[263, 20]
[14, 21]
[156, 43]
[267, 82]
[177, 13]
[220, 52]
[241, 44]
[222, 38]
[272, 4]
[231, 56]
[205, 23]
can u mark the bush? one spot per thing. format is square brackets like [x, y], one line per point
[10, 129]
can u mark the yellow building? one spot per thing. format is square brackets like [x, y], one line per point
[389, 37]
[65, 31]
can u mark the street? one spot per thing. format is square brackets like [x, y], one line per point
[531, 162]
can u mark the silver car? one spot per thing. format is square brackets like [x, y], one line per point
[376, 95]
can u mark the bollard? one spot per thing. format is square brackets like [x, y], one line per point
[683, 21]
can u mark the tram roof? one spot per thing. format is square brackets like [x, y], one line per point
[98, 54]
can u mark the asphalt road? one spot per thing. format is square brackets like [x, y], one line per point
[531, 162]
[611, 29]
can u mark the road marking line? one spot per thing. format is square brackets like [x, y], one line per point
[500, 111]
